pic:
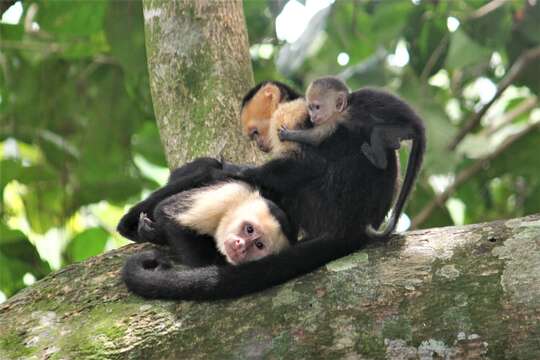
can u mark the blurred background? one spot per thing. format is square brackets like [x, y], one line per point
[79, 142]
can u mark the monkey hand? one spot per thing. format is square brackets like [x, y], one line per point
[283, 133]
[145, 225]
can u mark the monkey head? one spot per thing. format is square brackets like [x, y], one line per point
[326, 99]
[250, 232]
[256, 113]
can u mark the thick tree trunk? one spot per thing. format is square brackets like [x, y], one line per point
[199, 66]
[459, 292]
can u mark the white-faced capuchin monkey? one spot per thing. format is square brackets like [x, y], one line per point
[384, 118]
[206, 219]
[230, 216]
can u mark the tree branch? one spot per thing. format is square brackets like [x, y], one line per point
[464, 292]
[524, 107]
[487, 8]
[433, 59]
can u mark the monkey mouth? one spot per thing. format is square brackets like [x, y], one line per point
[234, 257]
[264, 147]
[315, 120]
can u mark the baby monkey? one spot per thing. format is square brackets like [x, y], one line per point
[372, 114]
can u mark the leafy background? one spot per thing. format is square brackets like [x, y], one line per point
[79, 143]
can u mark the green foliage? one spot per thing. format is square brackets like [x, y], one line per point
[76, 110]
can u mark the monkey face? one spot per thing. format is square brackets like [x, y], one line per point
[248, 243]
[256, 114]
[251, 233]
[320, 111]
[259, 134]
[255, 125]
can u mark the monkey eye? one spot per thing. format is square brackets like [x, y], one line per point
[253, 132]
[259, 245]
[249, 229]
[317, 107]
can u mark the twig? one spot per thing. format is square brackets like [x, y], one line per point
[31, 45]
[469, 172]
[486, 9]
[517, 68]
[525, 106]
[435, 55]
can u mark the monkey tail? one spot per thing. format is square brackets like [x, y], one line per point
[147, 275]
[413, 168]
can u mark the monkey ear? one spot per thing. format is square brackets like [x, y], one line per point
[341, 102]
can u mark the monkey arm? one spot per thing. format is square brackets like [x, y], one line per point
[314, 136]
[194, 174]
[283, 175]
[231, 168]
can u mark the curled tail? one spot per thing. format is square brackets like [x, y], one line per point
[413, 168]
[146, 274]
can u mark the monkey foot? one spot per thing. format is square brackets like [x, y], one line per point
[145, 227]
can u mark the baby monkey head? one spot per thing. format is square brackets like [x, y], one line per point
[326, 99]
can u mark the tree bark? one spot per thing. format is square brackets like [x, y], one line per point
[199, 67]
[456, 293]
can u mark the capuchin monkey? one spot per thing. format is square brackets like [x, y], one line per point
[206, 218]
[258, 106]
[382, 117]
[229, 216]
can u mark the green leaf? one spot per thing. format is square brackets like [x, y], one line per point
[11, 32]
[259, 21]
[71, 19]
[125, 33]
[426, 34]
[530, 25]
[465, 52]
[516, 47]
[18, 257]
[439, 130]
[147, 143]
[389, 20]
[492, 29]
[90, 242]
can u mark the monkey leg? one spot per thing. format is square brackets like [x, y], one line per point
[385, 136]
[194, 174]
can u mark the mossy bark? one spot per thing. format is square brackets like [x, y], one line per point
[459, 292]
[199, 66]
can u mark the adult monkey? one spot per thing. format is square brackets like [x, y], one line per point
[209, 221]
[331, 191]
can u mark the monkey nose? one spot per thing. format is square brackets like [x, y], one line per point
[238, 244]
